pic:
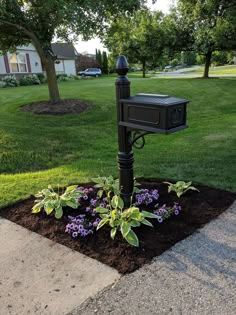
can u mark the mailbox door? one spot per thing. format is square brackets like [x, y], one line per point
[176, 116]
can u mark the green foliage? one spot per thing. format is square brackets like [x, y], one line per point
[29, 79]
[180, 187]
[2, 84]
[143, 42]
[123, 220]
[10, 81]
[110, 186]
[51, 201]
[99, 57]
[219, 58]
[200, 59]
[174, 62]
[188, 58]
[42, 78]
[106, 185]
[104, 63]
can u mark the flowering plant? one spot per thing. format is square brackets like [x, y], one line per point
[146, 197]
[123, 220]
[165, 212]
[85, 223]
[81, 225]
[51, 201]
[180, 187]
[106, 185]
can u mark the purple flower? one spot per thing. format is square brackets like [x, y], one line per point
[160, 220]
[74, 234]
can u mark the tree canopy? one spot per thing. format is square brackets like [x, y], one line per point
[140, 37]
[39, 21]
[210, 26]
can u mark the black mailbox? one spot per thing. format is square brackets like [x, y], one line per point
[140, 115]
[153, 113]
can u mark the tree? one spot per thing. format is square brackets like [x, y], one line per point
[85, 62]
[138, 37]
[211, 26]
[188, 58]
[38, 22]
[99, 58]
[104, 62]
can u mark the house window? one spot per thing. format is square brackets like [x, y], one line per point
[18, 63]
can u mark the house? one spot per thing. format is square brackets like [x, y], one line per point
[66, 58]
[27, 61]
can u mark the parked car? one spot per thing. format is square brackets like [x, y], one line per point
[91, 72]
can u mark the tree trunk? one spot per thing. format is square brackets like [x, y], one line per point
[144, 69]
[207, 64]
[52, 80]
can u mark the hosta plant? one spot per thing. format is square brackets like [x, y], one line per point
[110, 186]
[49, 200]
[123, 220]
[180, 187]
[106, 185]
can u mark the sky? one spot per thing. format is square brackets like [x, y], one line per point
[91, 45]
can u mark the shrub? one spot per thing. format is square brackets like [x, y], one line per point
[62, 77]
[10, 80]
[42, 78]
[30, 79]
[2, 84]
[71, 77]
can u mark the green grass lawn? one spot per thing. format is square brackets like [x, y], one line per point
[37, 150]
[216, 70]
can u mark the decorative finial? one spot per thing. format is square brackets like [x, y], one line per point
[122, 66]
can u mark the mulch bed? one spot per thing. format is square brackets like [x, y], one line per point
[63, 107]
[197, 210]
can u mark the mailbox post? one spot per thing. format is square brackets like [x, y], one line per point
[140, 115]
[125, 155]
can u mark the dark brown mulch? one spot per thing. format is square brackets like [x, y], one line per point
[197, 210]
[68, 106]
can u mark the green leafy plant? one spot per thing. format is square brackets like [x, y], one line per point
[10, 80]
[123, 220]
[29, 79]
[180, 187]
[110, 185]
[106, 185]
[2, 84]
[51, 201]
[42, 78]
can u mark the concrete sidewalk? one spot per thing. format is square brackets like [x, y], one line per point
[40, 277]
[195, 277]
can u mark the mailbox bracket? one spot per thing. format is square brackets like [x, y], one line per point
[134, 136]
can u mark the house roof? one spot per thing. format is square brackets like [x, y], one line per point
[64, 51]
